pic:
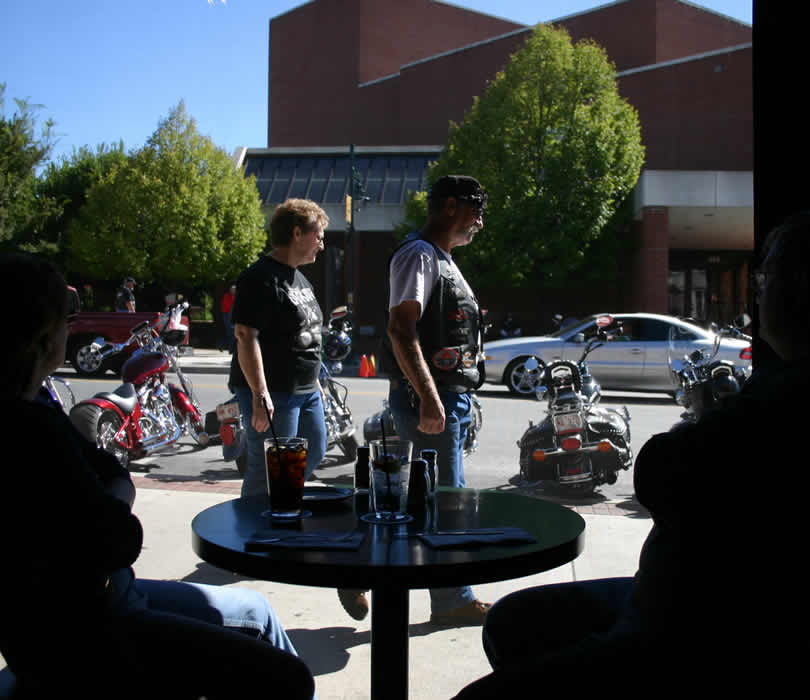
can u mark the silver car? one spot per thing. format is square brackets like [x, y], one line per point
[635, 360]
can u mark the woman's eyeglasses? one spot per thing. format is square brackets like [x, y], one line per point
[758, 280]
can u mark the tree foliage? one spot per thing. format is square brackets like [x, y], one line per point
[66, 184]
[177, 211]
[557, 149]
[22, 151]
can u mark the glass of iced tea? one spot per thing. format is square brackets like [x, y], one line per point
[286, 469]
[390, 469]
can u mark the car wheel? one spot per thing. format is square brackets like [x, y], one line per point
[86, 359]
[519, 379]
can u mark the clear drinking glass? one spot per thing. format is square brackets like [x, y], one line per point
[390, 472]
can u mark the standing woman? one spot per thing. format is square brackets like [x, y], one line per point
[277, 323]
[72, 615]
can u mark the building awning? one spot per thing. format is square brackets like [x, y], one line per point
[385, 178]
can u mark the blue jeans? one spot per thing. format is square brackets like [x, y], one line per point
[450, 462]
[294, 415]
[239, 642]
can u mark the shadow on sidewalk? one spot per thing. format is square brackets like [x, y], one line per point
[326, 650]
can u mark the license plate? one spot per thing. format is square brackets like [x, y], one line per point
[567, 422]
[227, 410]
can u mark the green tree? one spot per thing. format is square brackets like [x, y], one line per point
[67, 183]
[558, 150]
[177, 212]
[22, 151]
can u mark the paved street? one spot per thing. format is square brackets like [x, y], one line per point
[494, 465]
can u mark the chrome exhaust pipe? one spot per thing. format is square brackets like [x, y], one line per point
[161, 440]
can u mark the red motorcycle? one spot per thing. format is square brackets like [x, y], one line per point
[145, 414]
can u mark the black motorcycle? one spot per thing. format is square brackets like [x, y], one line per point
[579, 445]
[701, 381]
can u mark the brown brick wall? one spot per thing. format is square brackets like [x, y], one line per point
[686, 30]
[435, 92]
[626, 30]
[696, 115]
[321, 51]
[313, 74]
[393, 33]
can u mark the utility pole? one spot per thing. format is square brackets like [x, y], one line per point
[349, 252]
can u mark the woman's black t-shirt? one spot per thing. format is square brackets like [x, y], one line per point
[280, 303]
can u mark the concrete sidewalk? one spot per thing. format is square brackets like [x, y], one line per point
[335, 647]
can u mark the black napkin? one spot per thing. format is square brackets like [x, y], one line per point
[476, 538]
[315, 539]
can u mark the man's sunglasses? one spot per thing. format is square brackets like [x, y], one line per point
[479, 201]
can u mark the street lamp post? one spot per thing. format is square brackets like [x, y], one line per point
[356, 192]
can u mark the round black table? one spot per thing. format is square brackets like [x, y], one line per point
[392, 560]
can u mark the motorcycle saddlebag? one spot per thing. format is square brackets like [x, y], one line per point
[537, 437]
[604, 423]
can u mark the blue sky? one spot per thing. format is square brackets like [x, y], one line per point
[106, 70]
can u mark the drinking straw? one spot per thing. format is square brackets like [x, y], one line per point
[382, 431]
[275, 437]
[390, 498]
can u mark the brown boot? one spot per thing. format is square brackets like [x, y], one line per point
[466, 616]
[354, 602]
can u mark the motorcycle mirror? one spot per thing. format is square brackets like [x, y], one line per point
[742, 321]
[604, 321]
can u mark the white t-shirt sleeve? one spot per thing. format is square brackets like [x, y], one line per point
[414, 271]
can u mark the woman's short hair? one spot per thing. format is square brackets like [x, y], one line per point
[295, 212]
[37, 298]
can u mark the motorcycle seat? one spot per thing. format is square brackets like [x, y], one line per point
[124, 397]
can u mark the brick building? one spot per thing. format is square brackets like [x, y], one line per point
[388, 76]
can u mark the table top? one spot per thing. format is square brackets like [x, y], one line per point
[386, 557]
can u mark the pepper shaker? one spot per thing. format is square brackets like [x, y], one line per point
[418, 486]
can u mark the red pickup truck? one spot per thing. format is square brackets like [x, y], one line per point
[113, 326]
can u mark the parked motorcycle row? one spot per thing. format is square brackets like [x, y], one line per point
[576, 447]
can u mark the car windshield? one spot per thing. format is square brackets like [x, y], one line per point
[569, 324]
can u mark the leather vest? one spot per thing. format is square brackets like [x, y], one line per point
[449, 333]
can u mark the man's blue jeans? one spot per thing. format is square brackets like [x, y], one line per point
[450, 462]
[294, 415]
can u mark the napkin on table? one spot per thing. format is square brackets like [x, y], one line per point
[271, 539]
[476, 538]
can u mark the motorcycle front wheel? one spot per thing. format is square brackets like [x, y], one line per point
[100, 426]
[196, 430]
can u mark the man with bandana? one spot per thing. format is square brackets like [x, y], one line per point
[432, 354]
